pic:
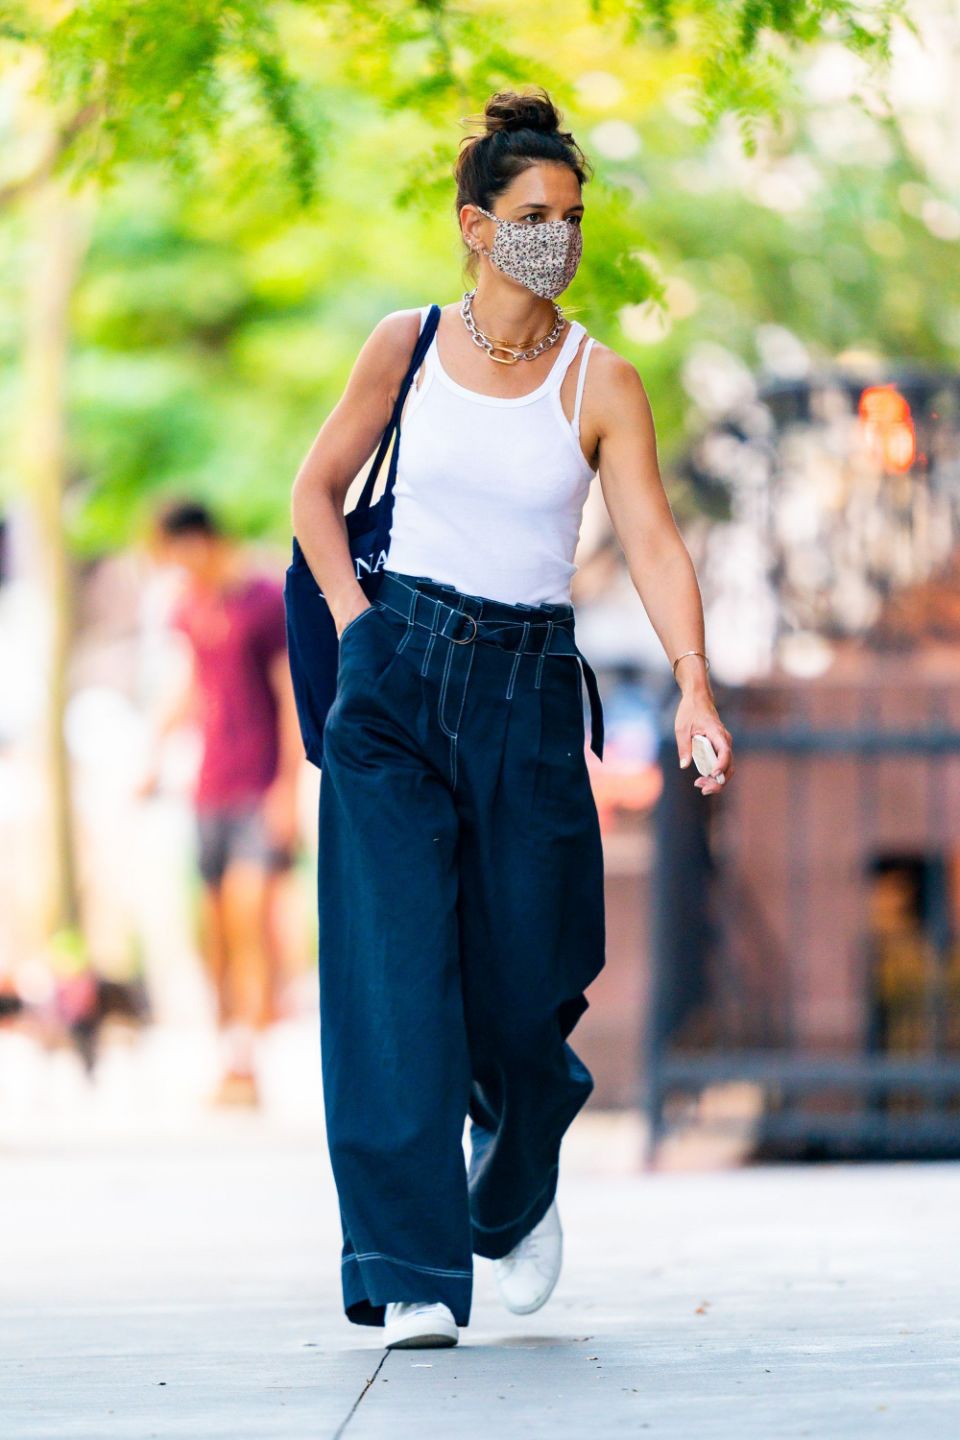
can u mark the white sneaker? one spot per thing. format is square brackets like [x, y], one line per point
[411, 1324]
[526, 1276]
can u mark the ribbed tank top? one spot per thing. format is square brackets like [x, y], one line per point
[490, 492]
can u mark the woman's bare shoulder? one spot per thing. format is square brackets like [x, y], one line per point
[387, 349]
[398, 330]
[615, 397]
[396, 334]
[613, 370]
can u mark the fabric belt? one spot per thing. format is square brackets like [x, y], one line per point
[543, 630]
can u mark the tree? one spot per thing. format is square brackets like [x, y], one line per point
[204, 99]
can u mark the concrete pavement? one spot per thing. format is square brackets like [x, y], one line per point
[186, 1284]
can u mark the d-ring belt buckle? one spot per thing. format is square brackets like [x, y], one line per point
[467, 638]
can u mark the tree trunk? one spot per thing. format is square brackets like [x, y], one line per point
[58, 228]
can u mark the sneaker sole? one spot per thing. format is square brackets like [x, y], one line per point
[422, 1342]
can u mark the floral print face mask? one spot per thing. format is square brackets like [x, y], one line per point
[544, 257]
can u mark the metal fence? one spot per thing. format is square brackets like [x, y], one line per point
[736, 995]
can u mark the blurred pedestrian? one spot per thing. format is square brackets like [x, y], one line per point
[238, 691]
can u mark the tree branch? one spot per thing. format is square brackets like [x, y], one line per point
[18, 189]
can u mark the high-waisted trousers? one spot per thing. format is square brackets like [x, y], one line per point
[461, 909]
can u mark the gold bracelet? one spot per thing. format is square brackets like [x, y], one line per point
[688, 652]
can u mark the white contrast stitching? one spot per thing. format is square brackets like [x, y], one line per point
[409, 1264]
[516, 660]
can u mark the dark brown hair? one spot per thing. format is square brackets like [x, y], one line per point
[186, 517]
[519, 130]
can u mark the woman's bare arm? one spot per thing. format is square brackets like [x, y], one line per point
[345, 442]
[617, 409]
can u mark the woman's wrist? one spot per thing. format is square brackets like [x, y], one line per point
[699, 692]
[690, 673]
[348, 607]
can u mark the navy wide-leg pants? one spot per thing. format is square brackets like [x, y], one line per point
[460, 891]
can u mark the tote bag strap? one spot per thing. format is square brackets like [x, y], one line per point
[424, 341]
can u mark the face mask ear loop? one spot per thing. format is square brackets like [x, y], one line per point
[480, 248]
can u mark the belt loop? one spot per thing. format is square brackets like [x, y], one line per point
[433, 636]
[394, 585]
[443, 614]
[516, 659]
[544, 651]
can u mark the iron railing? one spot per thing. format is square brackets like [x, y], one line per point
[727, 984]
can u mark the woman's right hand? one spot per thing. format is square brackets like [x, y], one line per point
[341, 624]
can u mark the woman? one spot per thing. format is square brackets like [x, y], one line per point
[460, 880]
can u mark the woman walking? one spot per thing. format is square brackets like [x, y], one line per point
[460, 882]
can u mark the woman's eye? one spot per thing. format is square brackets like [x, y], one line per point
[537, 217]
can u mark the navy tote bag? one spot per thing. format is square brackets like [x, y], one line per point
[313, 646]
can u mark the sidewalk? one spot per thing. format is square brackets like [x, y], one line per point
[187, 1285]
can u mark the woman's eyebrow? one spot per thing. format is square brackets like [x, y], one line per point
[542, 205]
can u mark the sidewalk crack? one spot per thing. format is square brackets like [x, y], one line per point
[356, 1404]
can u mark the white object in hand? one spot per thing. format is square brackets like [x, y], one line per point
[705, 757]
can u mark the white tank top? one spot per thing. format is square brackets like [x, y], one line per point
[490, 492]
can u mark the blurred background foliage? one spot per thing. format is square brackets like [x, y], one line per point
[263, 182]
[205, 208]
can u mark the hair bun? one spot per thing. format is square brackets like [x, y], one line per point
[515, 130]
[509, 110]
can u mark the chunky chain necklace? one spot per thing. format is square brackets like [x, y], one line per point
[500, 350]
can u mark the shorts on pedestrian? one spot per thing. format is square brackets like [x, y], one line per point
[226, 833]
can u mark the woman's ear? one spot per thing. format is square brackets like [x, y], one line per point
[470, 220]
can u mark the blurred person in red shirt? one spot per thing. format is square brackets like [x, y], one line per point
[240, 695]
